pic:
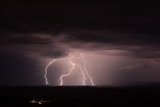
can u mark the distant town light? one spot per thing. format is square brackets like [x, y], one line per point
[39, 101]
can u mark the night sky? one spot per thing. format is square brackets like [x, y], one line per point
[120, 40]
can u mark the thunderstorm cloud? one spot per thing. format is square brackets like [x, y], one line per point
[30, 35]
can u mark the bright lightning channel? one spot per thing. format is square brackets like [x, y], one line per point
[46, 72]
[86, 71]
[83, 70]
[70, 72]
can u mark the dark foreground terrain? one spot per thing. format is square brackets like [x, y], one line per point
[137, 96]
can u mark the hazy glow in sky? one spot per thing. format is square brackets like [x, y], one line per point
[103, 68]
[107, 64]
[120, 43]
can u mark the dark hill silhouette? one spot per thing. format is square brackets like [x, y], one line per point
[79, 96]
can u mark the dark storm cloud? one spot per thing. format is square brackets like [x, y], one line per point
[49, 30]
[118, 38]
[19, 38]
[59, 16]
[51, 45]
[141, 45]
[97, 25]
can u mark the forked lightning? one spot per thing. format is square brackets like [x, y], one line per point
[83, 70]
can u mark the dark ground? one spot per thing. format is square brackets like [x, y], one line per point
[135, 96]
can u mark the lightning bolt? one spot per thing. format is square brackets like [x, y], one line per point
[46, 72]
[83, 70]
[86, 71]
[65, 75]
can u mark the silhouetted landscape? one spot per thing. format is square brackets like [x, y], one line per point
[79, 96]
